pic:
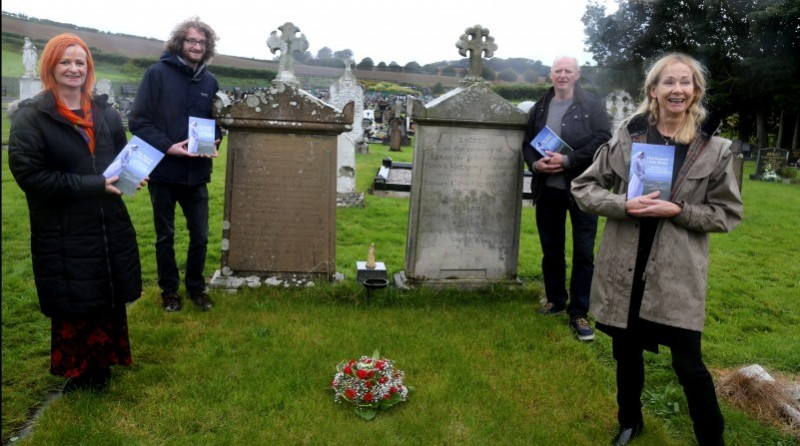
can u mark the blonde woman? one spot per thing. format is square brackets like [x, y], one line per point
[649, 284]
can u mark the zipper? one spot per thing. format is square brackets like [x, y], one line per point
[105, 242]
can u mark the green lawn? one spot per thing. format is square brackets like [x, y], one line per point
[486, 369]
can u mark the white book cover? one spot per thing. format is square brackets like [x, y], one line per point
[202, 133]
[548, 140]
[650, 170]
[133, 163]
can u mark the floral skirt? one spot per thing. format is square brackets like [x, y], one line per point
[87, 343]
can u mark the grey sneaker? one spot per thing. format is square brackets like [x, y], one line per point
[201, 300]
[582, 328]
[171, 302]
[549, 309]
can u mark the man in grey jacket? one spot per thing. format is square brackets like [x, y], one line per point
[579, 119]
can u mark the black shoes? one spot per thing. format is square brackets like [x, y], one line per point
[626, 434]
[171, 302]
[201, 300]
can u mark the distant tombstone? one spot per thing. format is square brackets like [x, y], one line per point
[526, 106]
[279, 223]
[465, 205]
[619, 105]
[769, 162]
[29, 84]
[738, 162]
[29, 58]
[395, 134]
[344, 91]
[103, 86]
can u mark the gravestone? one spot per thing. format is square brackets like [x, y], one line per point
[103, 86]
[29, 84]
[738, 162]
[344, 91]
[619, 105]
[279, 222]
[465, 205]
[769, 162]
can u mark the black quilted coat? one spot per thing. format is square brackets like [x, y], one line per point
[83, 245]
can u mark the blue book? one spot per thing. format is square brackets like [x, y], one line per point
[133, 164]
[548, 140]
[651, 170]
[202, 133]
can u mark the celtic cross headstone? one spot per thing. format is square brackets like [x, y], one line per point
[476, 41]
[287, 43]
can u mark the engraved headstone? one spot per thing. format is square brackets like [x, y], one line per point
[279, 223]
[466, 188]
[345, 90]
[770, 161]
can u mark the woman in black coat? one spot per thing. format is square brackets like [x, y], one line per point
[83, 245]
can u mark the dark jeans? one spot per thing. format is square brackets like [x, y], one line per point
[698, 386]
[194, 203]
[551, 217]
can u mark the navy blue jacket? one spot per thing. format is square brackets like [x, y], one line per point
[169, 93]
[83, 245]
[585, 127]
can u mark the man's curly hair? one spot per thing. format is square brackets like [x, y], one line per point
[175, 43]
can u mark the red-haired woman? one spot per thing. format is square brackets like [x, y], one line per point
[83, 245]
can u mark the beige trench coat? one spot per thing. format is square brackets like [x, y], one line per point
[676, 272]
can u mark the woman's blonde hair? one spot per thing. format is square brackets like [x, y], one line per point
[695, 114]
[51, 56]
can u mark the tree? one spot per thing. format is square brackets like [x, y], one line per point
[324, 53]
[412, 67]
[346, 54]
[366, 64]
[449, 71]
[395, 67]
[437, 89]
[487, 73]
[507, 75]
[750, 48]
[382, 66]
[430, 69]
[531, 76]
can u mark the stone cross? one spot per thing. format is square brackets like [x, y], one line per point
[476, 41]
[287, 44]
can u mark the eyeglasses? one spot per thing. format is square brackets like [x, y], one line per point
[193, 42]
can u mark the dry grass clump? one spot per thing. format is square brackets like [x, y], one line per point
[767, 400]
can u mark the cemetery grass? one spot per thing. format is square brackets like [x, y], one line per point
[486, 369]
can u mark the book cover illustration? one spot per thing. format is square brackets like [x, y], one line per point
[651, 170]
[133, 163]
[548, 140]
[202, 133]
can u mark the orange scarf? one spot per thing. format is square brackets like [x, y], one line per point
[84, 125]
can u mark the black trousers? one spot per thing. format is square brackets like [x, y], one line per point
[697, 383]
[194, 203]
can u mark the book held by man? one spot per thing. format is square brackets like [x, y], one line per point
[202, 133]
[651, 170]
[548, 140]
[133, 164]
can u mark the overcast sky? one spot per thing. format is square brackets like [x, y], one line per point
[424, 31]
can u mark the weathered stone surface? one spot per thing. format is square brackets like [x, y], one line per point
[280, 188]
[466, 190]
